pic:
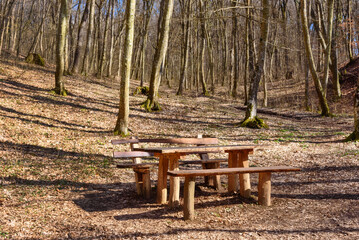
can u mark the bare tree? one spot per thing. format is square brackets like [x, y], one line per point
[121, 127]
[152, 104]
[318, 86]
[60, 48]
[251, 120]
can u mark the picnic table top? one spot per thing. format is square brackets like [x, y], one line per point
[198, 149]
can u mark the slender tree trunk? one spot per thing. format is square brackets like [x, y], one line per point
[80, 39]
[318, 86]
[20, 28]
[350, 30]
[86, 59]
[60, 45]
[5, 15]
[104, 45]
[203, 50]
[329, 44]
[121, 127]
[151, 103]
[186, 48]
[38, 32]
[251, 119]
[235, 50]
[112, 29]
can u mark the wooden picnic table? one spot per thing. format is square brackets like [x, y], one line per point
[169, 159]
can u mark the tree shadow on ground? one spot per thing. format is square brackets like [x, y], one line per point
[64, 125]
[40, 151]
[277, 233]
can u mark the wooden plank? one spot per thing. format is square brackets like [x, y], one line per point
[199, 149]
[123, 141]
[203, 161]
[168, 140]
[226, 171]
[132, 154]
[136, 165]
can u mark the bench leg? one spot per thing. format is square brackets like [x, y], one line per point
[188, 206]
[244, 179]
[264, 189]
[174, 183]
[213, 180]
[233, 178]
[147, 184]
[162, 180]
[139, 181]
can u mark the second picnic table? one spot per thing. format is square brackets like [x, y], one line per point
[169, 159]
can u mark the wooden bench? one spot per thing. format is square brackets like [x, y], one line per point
[264, 183]
[142, 170]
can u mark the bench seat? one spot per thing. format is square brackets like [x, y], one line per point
[264, 183]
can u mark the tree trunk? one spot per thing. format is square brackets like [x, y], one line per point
[38, 32]
[186, 33]
[350, 30]
[151, 103]
[203, 50]
[355, 135]
[318, 86]
[104, 44]
[112, 29]
[235, 51]
[121, 127]
[251, 120]
[60, 45]
[85, 65]
[5, 15]
[80, 39]
[329, 44]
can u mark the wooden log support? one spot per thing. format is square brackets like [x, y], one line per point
[244, 178]
[147, 184]
[188, 206]
[264, 189]
[174, 181]
[264, 183]
[143, 180]
[232, 178]
[162, 180]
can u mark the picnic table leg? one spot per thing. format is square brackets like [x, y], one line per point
[188, 206]
[174, 182]
[162, 180]
[264, 189]
[232, 178]
[244, 180]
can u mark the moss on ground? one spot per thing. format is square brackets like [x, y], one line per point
[150, 106]
[35, 58]
[256, 123]
[142, 90]
[354, 136]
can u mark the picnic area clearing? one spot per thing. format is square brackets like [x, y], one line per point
[58, 179]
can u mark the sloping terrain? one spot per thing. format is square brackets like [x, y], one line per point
[58, 180]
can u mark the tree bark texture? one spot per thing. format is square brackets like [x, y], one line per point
[318, 86]
[60, 45]
[121, 127]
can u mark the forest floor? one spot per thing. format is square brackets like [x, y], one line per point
[58, 180]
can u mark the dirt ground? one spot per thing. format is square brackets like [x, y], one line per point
[58, 180]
